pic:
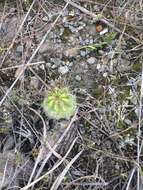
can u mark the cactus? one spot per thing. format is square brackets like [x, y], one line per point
[59, 103]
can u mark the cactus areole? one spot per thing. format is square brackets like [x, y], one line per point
[59, 103]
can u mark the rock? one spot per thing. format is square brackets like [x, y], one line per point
[98, 66]
[78, 78]
[19, 49]
[45, 19]
[70, 64]
[104, 31]
[91, 60]
[83, 53]
[48, 64]
[105, 74]
[34, 83]
[91, 41]
[56, 61]
[63, 70]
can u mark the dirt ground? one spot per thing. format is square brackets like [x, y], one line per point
[95, 48]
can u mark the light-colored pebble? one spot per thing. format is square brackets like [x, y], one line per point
[98, 66]
[63, 70]
[78, 78]
[48, 64]
[34, 82]
[91, 60]
[19, 49]
[83, 53]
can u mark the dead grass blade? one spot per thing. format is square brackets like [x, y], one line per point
[50, 171]
[59, 179]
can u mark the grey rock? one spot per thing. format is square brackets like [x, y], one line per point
[45, 19]
[78, 78]
[83, 53]
[34, 82]
[63, 70]
[87, 41]
[19, 49]
[91, 41]
[91, 60]
[70, 64]
[48, 64]
[54, 66]
[56, 61]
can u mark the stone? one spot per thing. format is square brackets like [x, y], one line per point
[63, 70]
[45, 19]
[91, 60]
[34, 83]
[78, 78]
[19, 49]
[56, 61]
[48, 64]
[83, 53]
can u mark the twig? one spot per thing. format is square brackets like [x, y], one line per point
[59, 179]
[50, 171]
[56, 145]
[139, 131]
[18, 66]
[44, 141]
[130, 179]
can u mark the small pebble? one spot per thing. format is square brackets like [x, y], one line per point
[105, 75]
[54, 66]
[91, 60]
[42, 67]
[70, 64]
[19, 49]
[83, 53]
[98, 66]
[56, 61]
[104, 31]
[48, 64]
[78, 78]
[34, 83]
[87, 41]
[91, 41]
[45, 19]
[63, 70]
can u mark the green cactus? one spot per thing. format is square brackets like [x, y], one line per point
[59, 103]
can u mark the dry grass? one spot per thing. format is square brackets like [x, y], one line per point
[101, 146]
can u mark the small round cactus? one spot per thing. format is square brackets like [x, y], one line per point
[59, 103]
